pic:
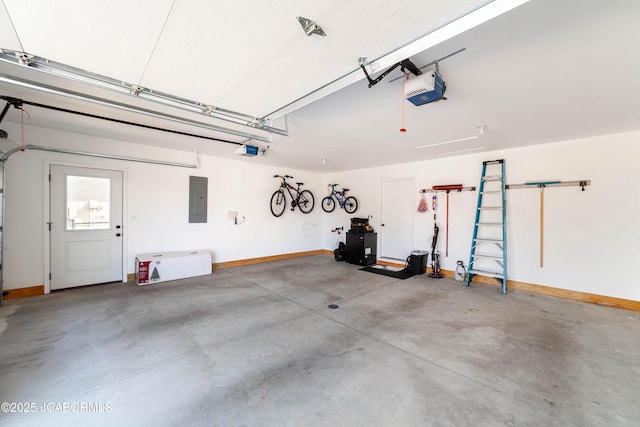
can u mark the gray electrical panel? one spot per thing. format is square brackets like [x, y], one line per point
[197, 199]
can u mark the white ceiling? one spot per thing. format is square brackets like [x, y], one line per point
[545, 71]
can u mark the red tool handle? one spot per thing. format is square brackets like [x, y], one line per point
[457, 187]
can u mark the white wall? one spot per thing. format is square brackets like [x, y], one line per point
[156, 205]
[591, 237]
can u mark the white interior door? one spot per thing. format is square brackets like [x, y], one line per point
[397, 223]
[86, 226]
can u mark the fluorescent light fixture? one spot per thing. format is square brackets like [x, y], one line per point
[462, 151]
[447, 142]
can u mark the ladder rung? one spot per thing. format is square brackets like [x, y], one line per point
[494, 257]
[489, 192]
[487, 273]
[492, 178]
[480, 239]
[488, 223]
[495, 208]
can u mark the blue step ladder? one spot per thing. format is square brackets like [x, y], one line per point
[488, 255]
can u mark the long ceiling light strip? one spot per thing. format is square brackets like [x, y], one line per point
[481, 132]
[124, 107]
[448, 142]
[56, 69]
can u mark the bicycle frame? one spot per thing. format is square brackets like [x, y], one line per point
[284, 184]
[302, 199]
[340, 196]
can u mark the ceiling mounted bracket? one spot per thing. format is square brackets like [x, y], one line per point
[17, 103]
[434, 63]
[405, 64]
[310, 27]
[24, 58]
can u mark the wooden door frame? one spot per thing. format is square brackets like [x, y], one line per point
[47, 215]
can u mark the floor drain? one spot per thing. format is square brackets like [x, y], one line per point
[333, 306]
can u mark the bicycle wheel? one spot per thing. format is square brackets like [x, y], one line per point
[351, 204]
[328, 204]
[278, 203]
[306, 201]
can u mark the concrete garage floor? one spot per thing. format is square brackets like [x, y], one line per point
[257, 346]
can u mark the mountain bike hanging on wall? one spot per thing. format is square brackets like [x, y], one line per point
[303, 199]
[348, 203]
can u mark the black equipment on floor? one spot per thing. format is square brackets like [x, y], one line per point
[435, 255]
[339, 253]
[417, 261]
[361, 248]
[401, 274]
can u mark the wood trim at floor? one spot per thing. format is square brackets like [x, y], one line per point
[511, 284]
[31, 291]
[249, 261]
[556, 292]
[543, 290]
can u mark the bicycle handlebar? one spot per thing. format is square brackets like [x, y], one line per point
[283, 177]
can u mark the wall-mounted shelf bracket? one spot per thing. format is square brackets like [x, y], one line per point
[446, 189]
[582, 183]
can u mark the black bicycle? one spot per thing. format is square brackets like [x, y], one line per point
[303, 199]
[348, 203]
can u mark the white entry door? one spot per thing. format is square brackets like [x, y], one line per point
[397, 218]
[86, 226]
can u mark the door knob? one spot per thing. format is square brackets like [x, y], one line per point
[118, 234]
